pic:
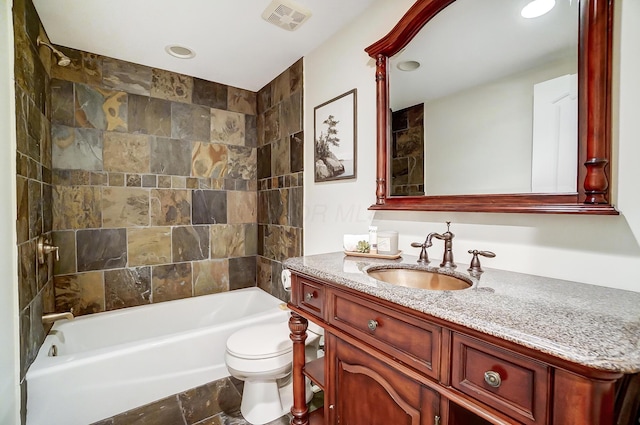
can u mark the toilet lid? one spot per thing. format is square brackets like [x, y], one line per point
[260, 341]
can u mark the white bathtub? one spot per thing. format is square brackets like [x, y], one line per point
[108, 363]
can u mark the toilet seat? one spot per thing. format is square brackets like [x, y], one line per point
[260, 341]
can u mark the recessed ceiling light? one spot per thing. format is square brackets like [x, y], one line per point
[408, 65]
[537, 8]
[180, 52]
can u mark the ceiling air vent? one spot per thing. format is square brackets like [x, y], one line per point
[286, 14]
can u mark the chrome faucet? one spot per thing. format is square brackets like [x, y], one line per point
[50, 318]
[447, 257]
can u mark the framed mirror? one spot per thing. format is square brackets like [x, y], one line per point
[542, 144]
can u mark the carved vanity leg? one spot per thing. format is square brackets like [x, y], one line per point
[299, 410]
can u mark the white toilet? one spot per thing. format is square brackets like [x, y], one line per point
[261, 356]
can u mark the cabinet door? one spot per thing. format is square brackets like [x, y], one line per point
[366, 390]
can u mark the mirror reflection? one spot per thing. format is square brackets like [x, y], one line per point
[484, 100]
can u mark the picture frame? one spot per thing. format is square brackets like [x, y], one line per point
[335, 138]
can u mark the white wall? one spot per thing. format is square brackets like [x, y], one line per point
[591, 249]
[9, 346]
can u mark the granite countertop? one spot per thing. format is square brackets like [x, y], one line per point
[586, 324]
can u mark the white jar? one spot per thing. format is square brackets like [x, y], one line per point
[388, 242]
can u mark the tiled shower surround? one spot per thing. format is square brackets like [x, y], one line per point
[154, 178]
[149, 181]
[33, 180]
[155, 185]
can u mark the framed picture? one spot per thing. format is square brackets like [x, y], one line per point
[334, 130]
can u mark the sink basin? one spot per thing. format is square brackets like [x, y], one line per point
[420, 278]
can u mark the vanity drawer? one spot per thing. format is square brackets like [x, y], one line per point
[509, 382]
[309, 296]
[410, 340]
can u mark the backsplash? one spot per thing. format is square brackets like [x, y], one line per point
[280, 182]
[154, 176]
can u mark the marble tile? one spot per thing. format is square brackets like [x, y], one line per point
[250, 131]
[166, 411]
[278, 207]
[76, 207]
[127, 287]
[250, 239]
[281, 87]
[116, 179]
[209, 94]
[264, 161]
[280, 157]
[148, 115]
[76, 148]
[409, 142]
[242, 207]
[100, 249]
[71, 177]
[99, 178]
[100, 109]
[149, 180]
[296, 206]
[133, 180]
[296, 152]
[210, 277]
[227, 127]
[208, 400]
[242, 162]
[22, 222]
[265, 99]
[171, 282]
[243, 101]
[209, 160]
[171, 86]
[27, 284]
[291, 115]
[164, 182]
[83, 292]
[62, 103]
[126, 76]
[125, 207]
[242, 272]
[148, 246]
[271, 125]
[227, 240]
[92, 68]
[264, 274]
[170, 156]
[296, 76]
[178, 182]
[170, 207]
[190, 122]
[126, 153]
[282, 242]
[66, 243]
[209, 207]
[36, 130]
[190, 243]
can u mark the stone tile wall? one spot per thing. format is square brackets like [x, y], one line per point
[33, 180]
[154, 185]
[280, 183]
[407, 167]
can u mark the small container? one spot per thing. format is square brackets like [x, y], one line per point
[388, 242]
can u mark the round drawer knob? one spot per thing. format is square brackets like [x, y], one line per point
[310, 296]
[492, 378]
[372, 325]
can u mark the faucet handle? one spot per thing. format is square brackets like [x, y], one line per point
[474, 267]
[43, 248]
[424, 257]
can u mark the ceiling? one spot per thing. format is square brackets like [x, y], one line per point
[233, 44]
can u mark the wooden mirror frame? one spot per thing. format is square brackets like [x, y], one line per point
[594, 122]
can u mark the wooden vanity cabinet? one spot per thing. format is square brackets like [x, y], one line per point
[387, 364]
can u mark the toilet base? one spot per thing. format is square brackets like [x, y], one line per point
[265, 401]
